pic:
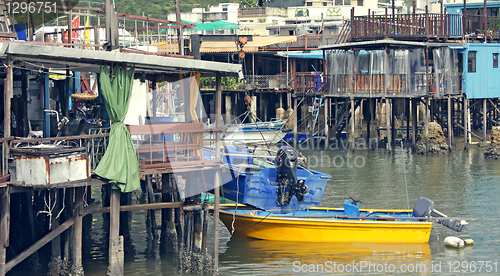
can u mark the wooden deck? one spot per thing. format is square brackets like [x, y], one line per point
[423, 27]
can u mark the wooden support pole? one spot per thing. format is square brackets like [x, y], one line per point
[8, 93]
[115, 260]
[450, 124]
[426, 125]
[56, 242]
[77, 232]
[407, 115]
[368, 123]
[218, 95]
[485, 126]
[228, 109]
[388, 122]
[414, 124]
[327, 107]
[351, 134]
[68, 245]
[295, 122]
[393, 123]
[4, 227]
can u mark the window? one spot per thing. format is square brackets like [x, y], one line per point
[495, 60]
[301, 12]
[309, 4]
[471, 62]
[360, 2]
[325, 3]
[224, 7]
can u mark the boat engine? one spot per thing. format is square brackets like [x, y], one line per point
[424, 207]
[286, 180]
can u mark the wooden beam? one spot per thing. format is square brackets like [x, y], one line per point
[46, 239]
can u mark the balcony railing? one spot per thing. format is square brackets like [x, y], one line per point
[442, 26]
[304, 42]
[264, 82]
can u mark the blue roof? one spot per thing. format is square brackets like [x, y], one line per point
[318, 54]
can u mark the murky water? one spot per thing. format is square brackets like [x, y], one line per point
[461, 184]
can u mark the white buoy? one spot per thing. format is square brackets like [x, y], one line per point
[280, 113]
[454, 242]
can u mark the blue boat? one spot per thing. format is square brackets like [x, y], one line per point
[276, 183]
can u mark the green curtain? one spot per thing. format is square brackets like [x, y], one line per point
[119, 164]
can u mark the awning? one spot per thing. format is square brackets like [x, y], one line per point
[251, 46]
[301, 54]
[217, 25]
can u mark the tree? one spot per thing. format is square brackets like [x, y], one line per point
[248, 3]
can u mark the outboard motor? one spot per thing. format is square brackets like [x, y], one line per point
[424, 207]
[288, 186]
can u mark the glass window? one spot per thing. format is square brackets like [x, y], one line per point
[224, 7]
[495, 60]
[360, 2]
[471, 62]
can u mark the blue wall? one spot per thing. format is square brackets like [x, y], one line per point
[459, 7]
[484, 83]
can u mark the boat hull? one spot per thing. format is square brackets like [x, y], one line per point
[297, 229]
[256, 188]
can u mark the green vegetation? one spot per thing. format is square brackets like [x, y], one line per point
[161, 8]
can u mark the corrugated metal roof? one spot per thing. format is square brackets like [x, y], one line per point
[251, 46]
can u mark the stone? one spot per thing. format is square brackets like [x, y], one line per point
[437, 140]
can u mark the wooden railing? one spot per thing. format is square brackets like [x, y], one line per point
[304, 42]
[427, 25]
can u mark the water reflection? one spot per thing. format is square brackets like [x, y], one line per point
[274, 258]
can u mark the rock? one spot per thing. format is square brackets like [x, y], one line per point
[493, 150]
[437, 140]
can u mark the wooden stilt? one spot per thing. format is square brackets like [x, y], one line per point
[228, 109]
[465, 108]
[115, 246]
[407, 115]
[77, 232]
[469, 133]
[310, 141]
[4, 227]
[68, 245]
[368, 124]
[295, 122]
[485, 126]
[205, 228]
[56, 242]
[388, 123]
[414, 123]
[352, 124]
[393, 123]
[327, 107]
[426, 125]
[217, 172]
[450, 124]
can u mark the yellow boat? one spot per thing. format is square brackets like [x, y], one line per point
[328, 225]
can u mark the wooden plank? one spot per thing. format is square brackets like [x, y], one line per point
[46, 239]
